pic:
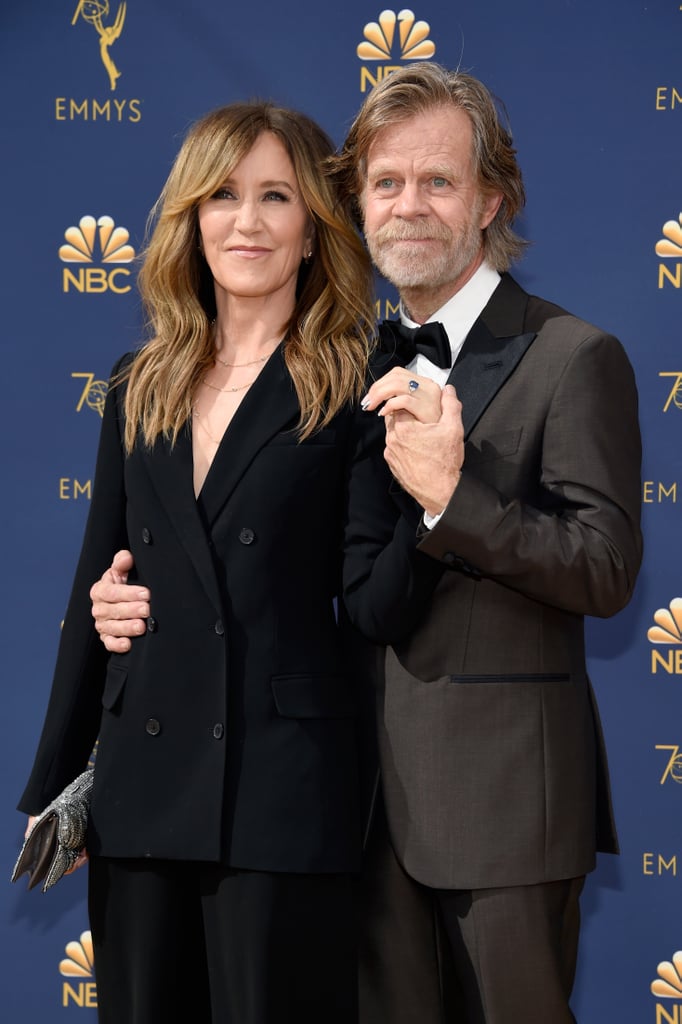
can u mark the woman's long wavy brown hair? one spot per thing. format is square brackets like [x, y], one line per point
[327, 338]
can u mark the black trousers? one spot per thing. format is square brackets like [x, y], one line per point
[179, 941]
[478, 956]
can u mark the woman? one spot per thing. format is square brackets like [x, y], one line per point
[236, 466]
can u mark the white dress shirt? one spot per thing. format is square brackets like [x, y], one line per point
[457, 316]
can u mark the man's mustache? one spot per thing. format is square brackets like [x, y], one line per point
[411, 232]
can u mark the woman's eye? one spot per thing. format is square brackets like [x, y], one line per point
[277, 197]
[223, 193]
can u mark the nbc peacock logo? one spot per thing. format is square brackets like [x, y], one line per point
[669, 247]
[666, 633]
[392, 37]
[667, 986]
[96, 238]
[79, 967]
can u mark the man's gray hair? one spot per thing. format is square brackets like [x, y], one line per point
[419, 88]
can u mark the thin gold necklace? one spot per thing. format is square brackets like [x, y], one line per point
[197, 417]
[242, 387]
[252, 362]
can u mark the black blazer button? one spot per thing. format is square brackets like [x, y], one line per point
[218, 731]
[153, 727]
[219, 628]
[146, 536]
[246, 536]
[450, 558]
[152, 624]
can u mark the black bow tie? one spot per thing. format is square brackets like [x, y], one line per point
[430, 340]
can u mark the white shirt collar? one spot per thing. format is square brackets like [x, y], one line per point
[459, 313]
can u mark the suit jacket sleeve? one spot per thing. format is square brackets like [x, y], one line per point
[578, 545]
[386, 579]
[74, 710]
[562, 529]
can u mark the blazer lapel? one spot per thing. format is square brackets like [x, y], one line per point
[487, 360]
[482, 367]
[269, 407]
[171, 472]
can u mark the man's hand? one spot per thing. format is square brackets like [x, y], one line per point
[119, 609]
[426, 457]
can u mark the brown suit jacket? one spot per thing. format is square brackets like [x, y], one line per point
[492, 757]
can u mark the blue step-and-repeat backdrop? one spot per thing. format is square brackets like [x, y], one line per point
[96, 97]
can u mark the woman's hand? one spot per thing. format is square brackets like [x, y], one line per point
[80, 860]
[402, 391]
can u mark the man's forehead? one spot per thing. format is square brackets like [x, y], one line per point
[442, 136]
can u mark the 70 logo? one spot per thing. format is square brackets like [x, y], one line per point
[673, 769]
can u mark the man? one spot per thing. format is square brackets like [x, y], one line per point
[522, 487]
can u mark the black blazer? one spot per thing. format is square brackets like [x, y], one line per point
[229, 731]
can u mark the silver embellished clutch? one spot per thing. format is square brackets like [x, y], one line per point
[57, 835]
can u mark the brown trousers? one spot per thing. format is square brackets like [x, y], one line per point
[486, 956]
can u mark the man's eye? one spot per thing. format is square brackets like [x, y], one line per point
[385, 183]
[439, 182]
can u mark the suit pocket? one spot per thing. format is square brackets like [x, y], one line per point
[498, 446]
[514, 677]
[313, 697]
[113, 685]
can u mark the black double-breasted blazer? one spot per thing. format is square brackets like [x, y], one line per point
[229, 731]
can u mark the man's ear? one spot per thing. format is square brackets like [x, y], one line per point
[491, 204]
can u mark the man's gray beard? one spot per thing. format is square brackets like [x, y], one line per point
[421, 271]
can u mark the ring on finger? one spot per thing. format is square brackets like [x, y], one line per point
[413, 385]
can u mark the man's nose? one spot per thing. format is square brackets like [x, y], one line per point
[411, 202]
